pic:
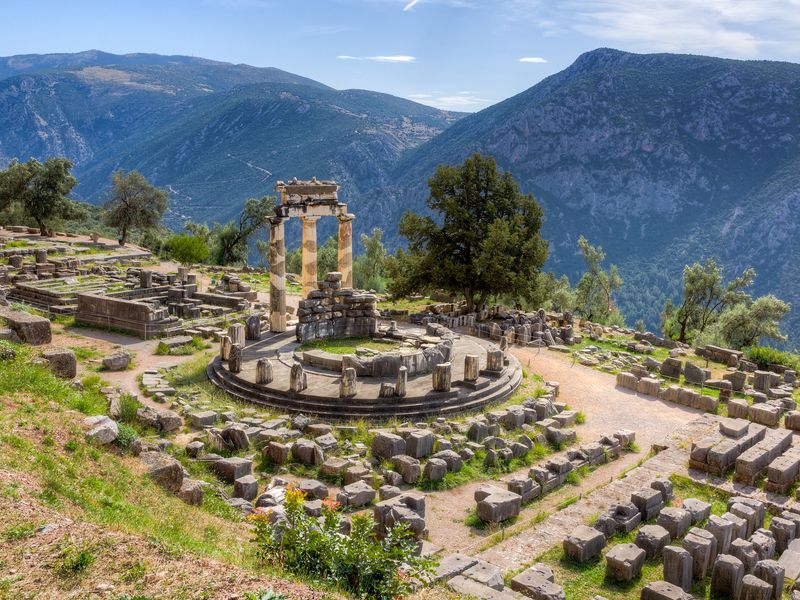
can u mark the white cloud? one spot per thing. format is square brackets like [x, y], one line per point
[410, 5]
[740, 28]
[397, 58]
[533, 59]
[461, 101]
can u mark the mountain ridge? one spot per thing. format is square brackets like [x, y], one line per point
[644, 154]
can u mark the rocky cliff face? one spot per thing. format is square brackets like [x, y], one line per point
[663, 159]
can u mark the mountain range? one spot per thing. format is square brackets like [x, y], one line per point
[663, 159]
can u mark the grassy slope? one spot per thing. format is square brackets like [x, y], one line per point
[48, 468]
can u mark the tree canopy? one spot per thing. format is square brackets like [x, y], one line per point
[133, 204]
[595, 290]
[484, 241]
[187, 249]
[231, 239]
[719, 312]
[369, 267]
[41, 189]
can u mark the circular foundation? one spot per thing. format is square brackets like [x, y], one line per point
[321, 396]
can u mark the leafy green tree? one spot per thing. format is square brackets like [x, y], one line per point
[133, 204]
[747, 322]
[328, 257]
[705, 296]
[595, 290]
[41, 190]
[485, 241]
[187, 249]
[369, 267]
[231, 239]
[558, 293]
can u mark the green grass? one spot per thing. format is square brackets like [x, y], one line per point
[93, 484]
[412, 306]
[349, 345]
[82, 353]
[20, 531]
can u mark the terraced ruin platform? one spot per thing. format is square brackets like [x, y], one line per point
[322, 396]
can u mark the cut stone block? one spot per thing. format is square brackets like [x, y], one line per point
[675, 520]
[584, 543]
[652, 539]
[699, 510]
[678, 567]
[662, 590]
[703, 548]
[624, 562]
[649, 502]
[726, 580]
[773, 573]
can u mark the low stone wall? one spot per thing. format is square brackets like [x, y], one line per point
[136, 317]
[650, 386]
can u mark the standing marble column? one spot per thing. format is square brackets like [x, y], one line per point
[277, 275]
[346, 249]
[309, 278]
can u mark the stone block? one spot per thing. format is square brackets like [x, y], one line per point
[754, 588]
[534, 583]
[721, 529]
[764, 543]
[231, 469]
[624, 562]
[765, 414]
[675, 520]
[649, 502]
[487, 574]
[727, 576]
[419, 443]
[191, 492]
[745, 552]
[739, 525]
[678, 567]
[699, 510]
[784, 532]
[749, 514]
[276, 452]
[738, 408]
[453, 565]
[663, 485]
[164, 470]
[773, 573]
[652, 539]
[356, 494]
[31, 329]
[313, 489]
[246, 487]
[307, 452]
[62, 362]
[663, 590]
[435, 469]
[584, 544]
[408, 467]
[499, 506]
[387, 445]
[703, 548]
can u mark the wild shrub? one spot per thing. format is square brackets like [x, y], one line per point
[764, 356]
[358, 563]
[128, 405]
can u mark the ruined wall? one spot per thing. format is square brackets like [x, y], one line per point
[138, 318]
[333, 312]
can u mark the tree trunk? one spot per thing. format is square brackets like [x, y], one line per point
[42, 227]
[469, 296]
[124, 237]
[682, 334]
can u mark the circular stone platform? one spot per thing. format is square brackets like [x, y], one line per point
[321, 397]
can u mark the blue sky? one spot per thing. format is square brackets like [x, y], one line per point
[453, 54]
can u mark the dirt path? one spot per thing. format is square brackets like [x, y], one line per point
[607, 409]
